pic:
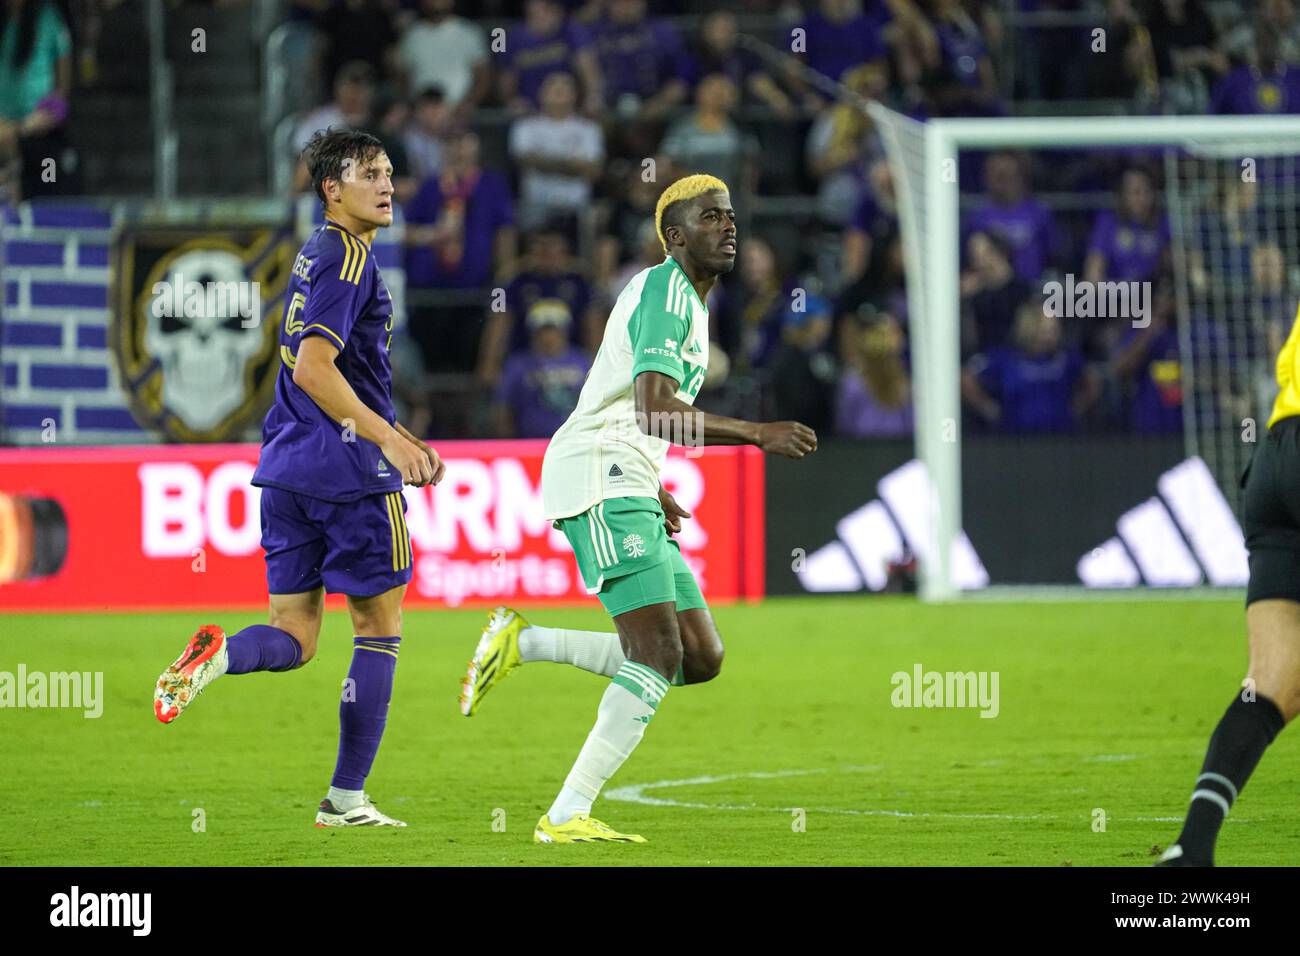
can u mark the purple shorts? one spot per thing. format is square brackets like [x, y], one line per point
[360, 548]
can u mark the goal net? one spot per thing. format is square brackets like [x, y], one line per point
[1230, 196]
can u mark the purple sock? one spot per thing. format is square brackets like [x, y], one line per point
[364, 709]
[262, 648]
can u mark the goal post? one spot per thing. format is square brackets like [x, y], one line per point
[923, 160]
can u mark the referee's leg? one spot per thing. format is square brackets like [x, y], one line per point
[1274, 673]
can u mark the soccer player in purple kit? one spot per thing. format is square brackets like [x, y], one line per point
[333, 463]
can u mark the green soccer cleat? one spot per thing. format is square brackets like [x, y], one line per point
[580, 828]
[495, 657]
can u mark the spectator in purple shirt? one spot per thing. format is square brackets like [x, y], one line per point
[540, 384]
[548, 273]
[643, 60]
[545, 43]
[1016, 216]
[1035, 385]
[1148, 366]
[875, 390]
[962, 48]
[1130, 243]
[842, 34]
[874, 222]
[717, 52]
[1267, 86]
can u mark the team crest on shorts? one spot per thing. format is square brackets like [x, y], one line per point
[634, 545]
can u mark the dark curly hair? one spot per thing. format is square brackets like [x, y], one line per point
[328, 151]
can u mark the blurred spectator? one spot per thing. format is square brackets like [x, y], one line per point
[874, 399]
[839, 35]
[354, 97]
[991, 292]
[1226, 234]
[804, 370]
[1272, 18]
[1266, 85]
[459, 235]
[540, 384]
[842, 142]
[547, 43]
[426, 134]
[717, 52]
[1016, 216]
[962, 48]
[650, 252]
[1183, 38]
[35, 82]
[1148, 366]
[547, 273]
[1126, 68]
[558, 154]
[1034, 385]
[753, 301]
[707, 141]
[392, 116]
[357, 30]
[874, 222]
[643, 60]
[1131, 242]
[637, 189]
[449, 52]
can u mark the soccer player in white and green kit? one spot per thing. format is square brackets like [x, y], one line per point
[600, 486]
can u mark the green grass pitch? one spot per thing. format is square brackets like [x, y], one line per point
[1105, 708]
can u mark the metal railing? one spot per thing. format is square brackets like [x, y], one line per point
[162, 100]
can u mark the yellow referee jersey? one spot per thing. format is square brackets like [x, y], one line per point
[1288, 377]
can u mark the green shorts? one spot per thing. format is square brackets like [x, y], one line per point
[626, 557]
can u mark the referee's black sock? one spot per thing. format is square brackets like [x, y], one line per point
[1246, 730]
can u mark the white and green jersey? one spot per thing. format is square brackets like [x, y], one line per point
[658, 324]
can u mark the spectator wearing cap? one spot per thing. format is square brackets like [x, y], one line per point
[804, 370]
[546, 43]
[450, 52]
[558, 153]
[540, 384]
[548, 273]
[874, 398]
[35, 82]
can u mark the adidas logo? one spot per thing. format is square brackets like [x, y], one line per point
[615, 471]
[1169, 540]
[886, 532]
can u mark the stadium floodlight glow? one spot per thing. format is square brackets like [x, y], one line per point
[923, 160]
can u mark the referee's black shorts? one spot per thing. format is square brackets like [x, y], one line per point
[1271, 514]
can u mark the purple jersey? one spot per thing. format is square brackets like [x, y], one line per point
[1132, 252]
[542, 390]
[1027, 227]
[534, 57]
[526, 288]
[1245, 91]
[640, 59]
[1035, 391]
[488, 208]
[1158, 398]
[335, 291]
[836, 47]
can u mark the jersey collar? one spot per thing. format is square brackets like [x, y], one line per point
[338, 225]
[688, 282]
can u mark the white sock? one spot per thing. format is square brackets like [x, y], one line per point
[625, 709]
[345, 800]
[597, 651]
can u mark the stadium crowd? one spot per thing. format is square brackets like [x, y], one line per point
[609, 100]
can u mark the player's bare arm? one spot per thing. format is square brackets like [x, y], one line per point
[318, 376]
[658, 406]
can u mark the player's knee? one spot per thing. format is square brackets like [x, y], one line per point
[703, 666]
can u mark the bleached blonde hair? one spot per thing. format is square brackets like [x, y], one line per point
[681, 191]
